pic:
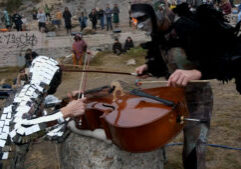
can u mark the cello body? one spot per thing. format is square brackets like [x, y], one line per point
[133, 123]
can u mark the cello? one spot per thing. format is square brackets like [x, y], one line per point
[135, 120]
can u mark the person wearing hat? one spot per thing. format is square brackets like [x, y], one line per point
[79, 48]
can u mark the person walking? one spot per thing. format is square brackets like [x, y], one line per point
[93, 18]
[108, 13]
[17, 19]
[79, 48]
[116, 12]
[67, 19]
[41, 21]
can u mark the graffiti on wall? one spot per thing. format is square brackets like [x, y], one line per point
[20, 40]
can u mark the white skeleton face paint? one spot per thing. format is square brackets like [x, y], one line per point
[144, 22]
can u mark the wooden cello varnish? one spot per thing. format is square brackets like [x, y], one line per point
[137, 124]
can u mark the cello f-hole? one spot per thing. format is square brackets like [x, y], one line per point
[107, 105]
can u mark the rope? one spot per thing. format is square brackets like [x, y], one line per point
[210, 145]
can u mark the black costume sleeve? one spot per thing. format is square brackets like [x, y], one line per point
[156, 65]
[199, 50]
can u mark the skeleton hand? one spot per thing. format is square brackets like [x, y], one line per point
[74, 108]
[182, 77]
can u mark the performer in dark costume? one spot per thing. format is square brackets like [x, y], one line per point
[187, 47]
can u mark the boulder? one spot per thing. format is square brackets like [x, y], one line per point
[89, 153]
[88, 31]
[131, 62]
[75, 23]
[50, 27]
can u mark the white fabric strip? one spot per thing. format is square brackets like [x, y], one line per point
[4, 136]
[5, 156]
[2, 143]
[39, 120]
[32, 129]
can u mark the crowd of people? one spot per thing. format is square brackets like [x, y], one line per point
[99, 18]
[99, 15]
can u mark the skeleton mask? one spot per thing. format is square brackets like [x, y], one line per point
[143, 21]
[145, 17]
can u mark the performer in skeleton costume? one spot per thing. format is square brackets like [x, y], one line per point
[26, 119]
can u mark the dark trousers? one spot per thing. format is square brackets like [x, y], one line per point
[19, 27]
[109, 23]
[41, 25]
[102, 22]
[94, 25]
[200, 102]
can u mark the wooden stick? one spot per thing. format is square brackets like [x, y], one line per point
[150, 82]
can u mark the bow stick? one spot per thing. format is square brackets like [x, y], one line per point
[78, 69]
[140, 82]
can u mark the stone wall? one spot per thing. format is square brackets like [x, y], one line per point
[60, 46]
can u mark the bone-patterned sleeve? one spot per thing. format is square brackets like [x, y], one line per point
[25, 118]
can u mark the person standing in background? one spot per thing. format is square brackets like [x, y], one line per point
[79, 48]
[93, 18]
[7, 20]
[83, 21]
[47, 12]
[58, 18]
[101, 16]
[17, 19]
[116, 12]
[41, 21]
[35, 13]
[67, 19]
[108, 13]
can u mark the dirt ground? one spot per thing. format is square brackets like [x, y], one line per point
[225, 128]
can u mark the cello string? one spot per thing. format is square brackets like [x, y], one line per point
[82, 77]
[86, 75]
